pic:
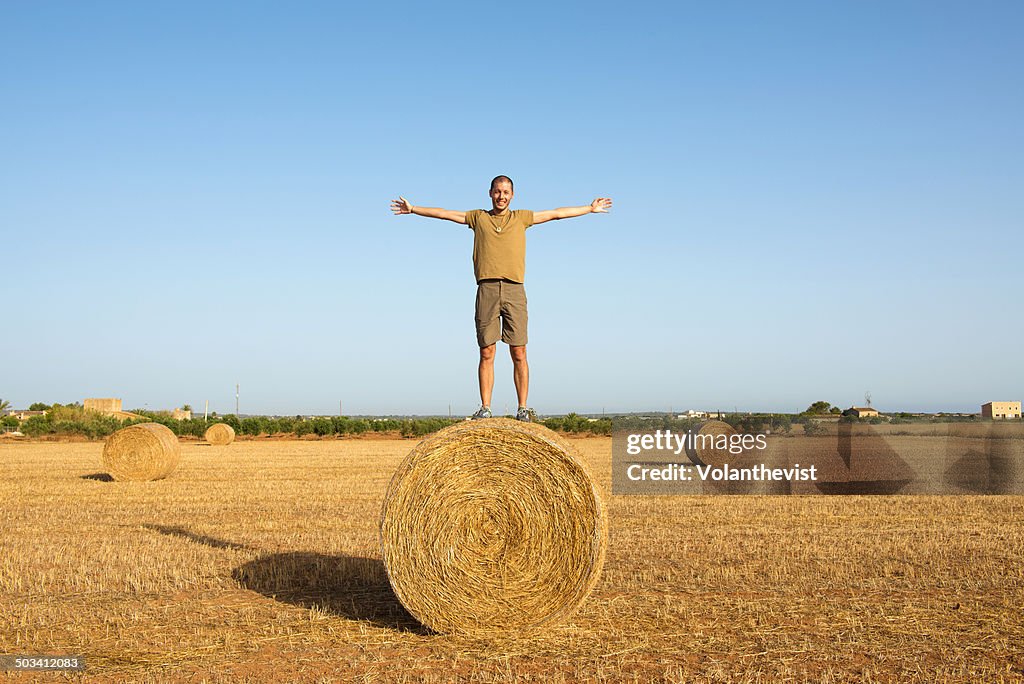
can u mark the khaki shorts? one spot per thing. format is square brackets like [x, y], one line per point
[504, 300]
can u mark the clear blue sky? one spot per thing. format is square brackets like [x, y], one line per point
[812, 200]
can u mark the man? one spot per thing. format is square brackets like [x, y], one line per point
[499, 263]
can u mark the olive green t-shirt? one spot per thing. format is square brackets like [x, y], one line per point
[499, 243]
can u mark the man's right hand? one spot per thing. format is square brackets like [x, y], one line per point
[404, 206]
[401, 206]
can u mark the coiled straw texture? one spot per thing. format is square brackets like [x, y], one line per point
[492, 525]
[219, 434]
[148, 451]
[704, 448]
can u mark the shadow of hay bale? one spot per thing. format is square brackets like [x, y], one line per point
[98, 477]
[349, 586]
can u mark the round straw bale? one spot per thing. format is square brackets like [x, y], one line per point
[703, 448]
[220, 434]
[148, 451]
[492, 525]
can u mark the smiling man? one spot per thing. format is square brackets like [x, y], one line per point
[499, 264]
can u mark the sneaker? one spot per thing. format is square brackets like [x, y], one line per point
[527, 415]
[483, 412]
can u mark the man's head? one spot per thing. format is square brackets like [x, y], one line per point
[501, 192]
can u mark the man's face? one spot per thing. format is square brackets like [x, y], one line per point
[501, 195]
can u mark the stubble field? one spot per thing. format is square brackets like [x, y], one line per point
[259, 562]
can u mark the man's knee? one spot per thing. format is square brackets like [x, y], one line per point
[487, 353]
[518, 353]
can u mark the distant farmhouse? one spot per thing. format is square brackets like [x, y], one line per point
[25, 415]
[102, 405]
[108, 407]
[703, 415]
[1001, 409]
[861, 412]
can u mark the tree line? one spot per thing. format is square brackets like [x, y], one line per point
[72, 419]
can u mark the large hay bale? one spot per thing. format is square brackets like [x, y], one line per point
[148, 451]
[219, 434]
[492, 525]
[705, 447]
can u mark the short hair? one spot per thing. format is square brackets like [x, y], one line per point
[502, 178]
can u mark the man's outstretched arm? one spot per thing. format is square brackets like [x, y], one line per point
[404, 206]
[599, 206]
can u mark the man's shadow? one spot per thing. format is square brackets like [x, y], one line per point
[352, 587]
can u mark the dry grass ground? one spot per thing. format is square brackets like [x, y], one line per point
[259, 562]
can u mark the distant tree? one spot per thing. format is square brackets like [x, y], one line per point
[835, 410]
[4, 404]
[57, 405]
[818, 408]
[812, 427]
[186, 407]
[66, 412]
[39, 406]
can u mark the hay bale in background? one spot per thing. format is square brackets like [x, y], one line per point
[148, 451]
[492, 525]
[219, 434]
[703, 451]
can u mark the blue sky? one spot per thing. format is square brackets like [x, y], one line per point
[812, 200]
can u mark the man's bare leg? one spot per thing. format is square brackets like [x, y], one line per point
[520, 373]
[486, 374]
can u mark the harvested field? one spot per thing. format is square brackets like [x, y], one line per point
[261, 562]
